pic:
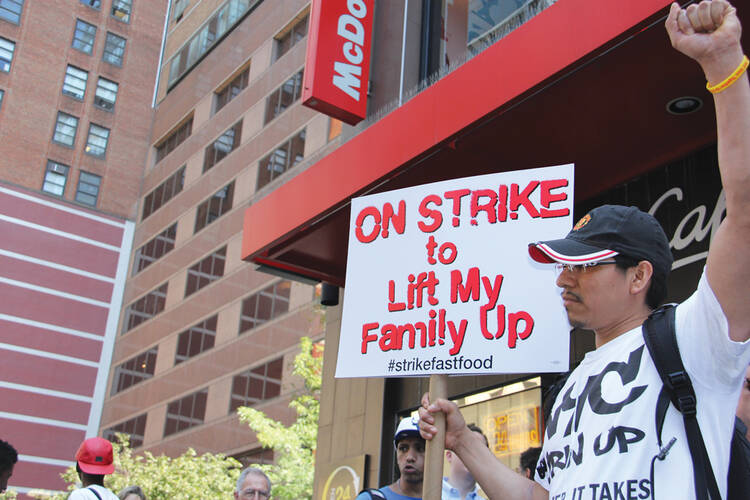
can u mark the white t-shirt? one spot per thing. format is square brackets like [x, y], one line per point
[601, 434]
[87, 494]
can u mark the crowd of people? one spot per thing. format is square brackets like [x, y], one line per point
[612, 269]
[95, 460]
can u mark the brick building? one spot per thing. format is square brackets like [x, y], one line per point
[76, 87]
[456, 88]
[203, 332]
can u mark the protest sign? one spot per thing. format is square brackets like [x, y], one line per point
[439, 280]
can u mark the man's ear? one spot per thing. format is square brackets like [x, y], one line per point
[640, 277]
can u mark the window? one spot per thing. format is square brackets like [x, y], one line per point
[258, 456]
[88, 188]
[10, 10]
[114, 48]
[145, 308]
[96, 143]
[269, 303]
[65, 129]
[233, 89]
[55, 178]
[174, 139]
[186, 412]
[83, 38]
[221, 22]
[6, 54]
[155, 248]
[287, 39]
[121, 10]
[2, 94]
[221, 147]
[196, 339]
[281, 159]
[283, 97]
[163, 192]
[179, 9]
[206, 271]
[214, 207]
[135, 370]
[256, 384]
[106, 94]
[74, 84]
[96, 4]
[135, 428]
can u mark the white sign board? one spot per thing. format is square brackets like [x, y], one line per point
[439, 279]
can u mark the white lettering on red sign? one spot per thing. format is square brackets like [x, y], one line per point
[347, 74]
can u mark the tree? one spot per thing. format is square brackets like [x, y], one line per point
[294, 446]
[186, 477]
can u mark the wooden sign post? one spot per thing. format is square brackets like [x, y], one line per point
[432, 487]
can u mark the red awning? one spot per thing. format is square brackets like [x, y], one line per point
[586, 81]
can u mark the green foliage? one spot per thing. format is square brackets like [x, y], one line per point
[186, 477]
[294, 446]
[8, 495]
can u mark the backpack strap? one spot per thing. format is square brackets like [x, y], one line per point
[661, 341]
[374, 493]
[96, 494]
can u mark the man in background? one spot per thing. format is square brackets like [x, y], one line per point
[8, 459]
[460, 484]
[529, 458]
[253, 484]
[94, 460]
[410, 459]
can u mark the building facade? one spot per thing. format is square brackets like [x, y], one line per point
[134, 209]
[474, 87]
[76, 87]
[203, 332]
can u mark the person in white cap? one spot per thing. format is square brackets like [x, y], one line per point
[410, 458]
[601, 439]
[94, 460]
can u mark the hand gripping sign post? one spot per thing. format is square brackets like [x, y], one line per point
[439, 282]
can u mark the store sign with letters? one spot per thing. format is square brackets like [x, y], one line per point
[439, 280]
[342, 479]
[337, 65]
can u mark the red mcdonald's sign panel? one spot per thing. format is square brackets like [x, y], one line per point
[337, 66]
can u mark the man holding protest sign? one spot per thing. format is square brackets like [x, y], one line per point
[600, 439]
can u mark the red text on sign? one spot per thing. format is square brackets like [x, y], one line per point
[432, 332]
[388, 218]
[418, 285]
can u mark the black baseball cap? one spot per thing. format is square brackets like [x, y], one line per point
[607, 231]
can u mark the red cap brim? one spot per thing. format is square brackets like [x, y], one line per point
[97, 469]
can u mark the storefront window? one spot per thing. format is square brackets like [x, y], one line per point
[510, 418]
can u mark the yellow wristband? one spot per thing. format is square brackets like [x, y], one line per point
[736, 74]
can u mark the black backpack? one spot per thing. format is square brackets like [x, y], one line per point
[661, 341]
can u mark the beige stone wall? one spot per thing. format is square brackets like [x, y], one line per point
[350, 412]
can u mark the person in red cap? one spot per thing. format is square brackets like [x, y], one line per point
[94, 460]
[601, 440]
